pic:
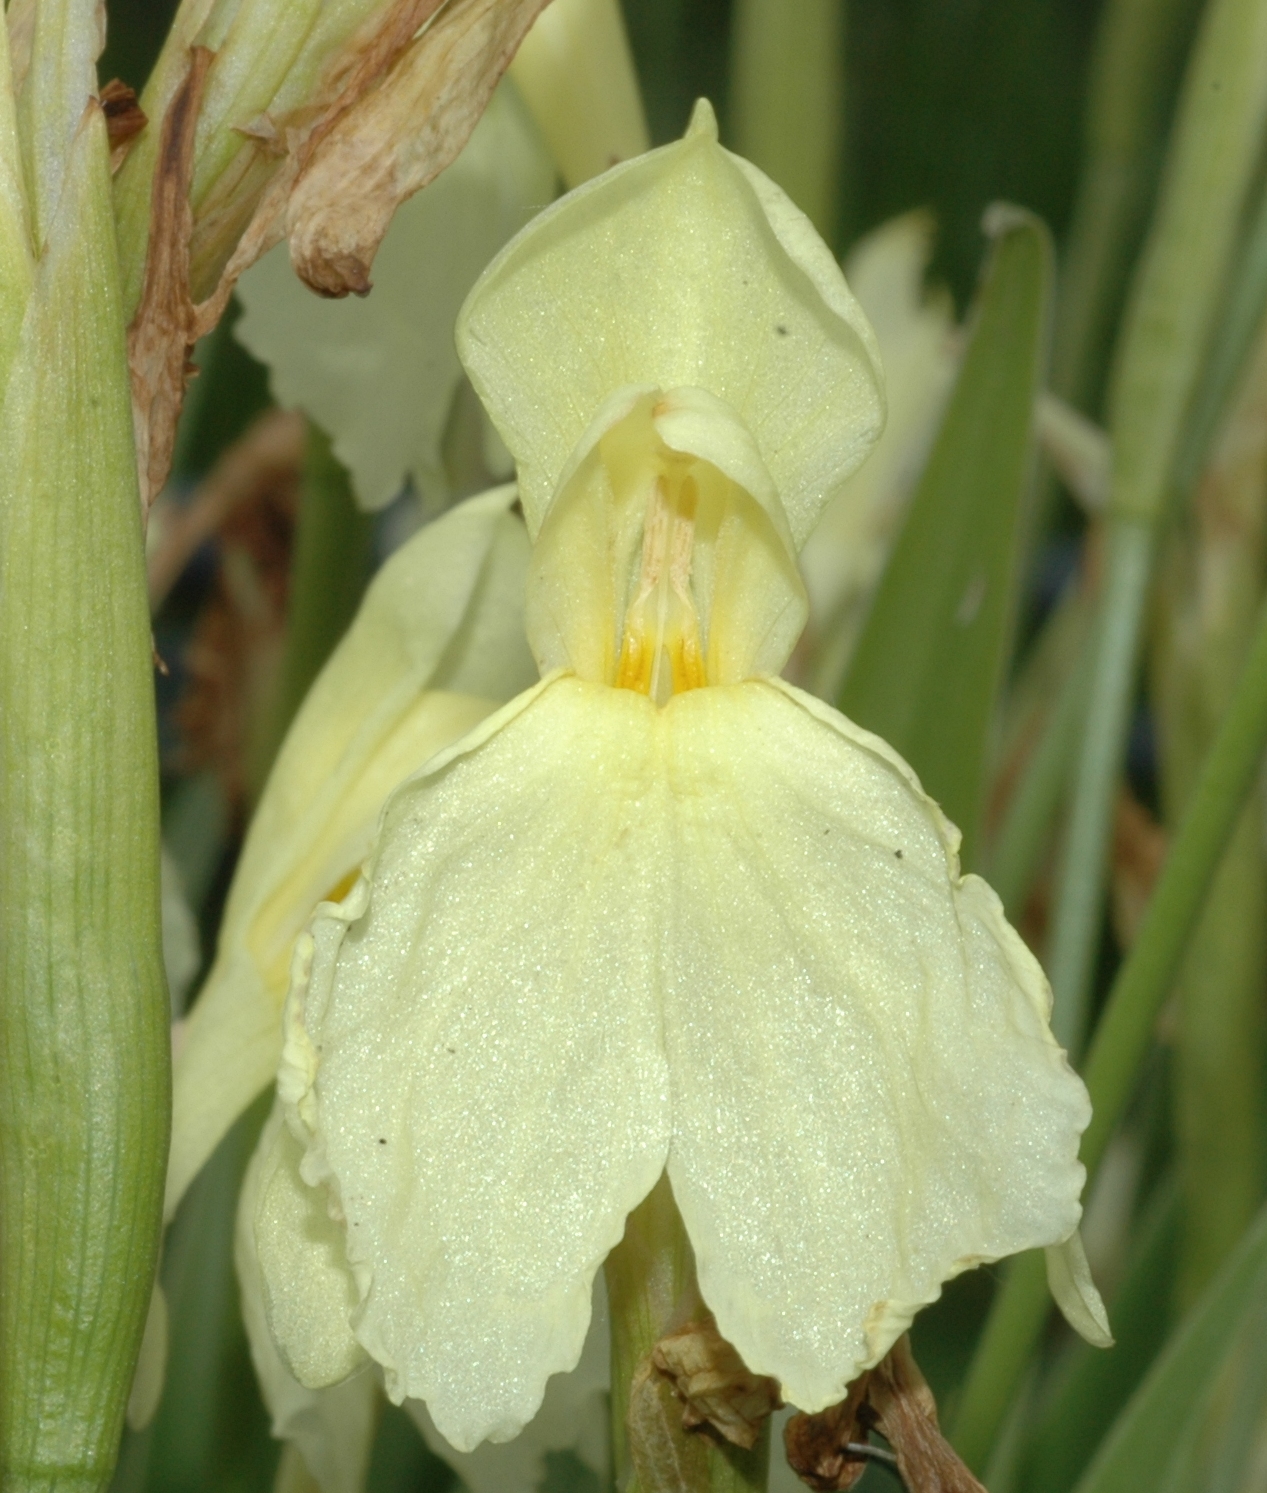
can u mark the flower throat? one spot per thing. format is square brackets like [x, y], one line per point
[660, 652]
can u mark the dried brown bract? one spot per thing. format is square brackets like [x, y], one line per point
[234, 657]
[368, 160]
[166, 324]
[125, 119]
[714, 1384]
[399, 102]
[267, 459]
[395, 105]
[818, 1446]
[893, 1398]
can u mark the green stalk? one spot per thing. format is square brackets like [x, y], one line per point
[1226, 778]
[328, 575]
[787, 99]
[1080, 889]
[1135, 64]
[1174, 303]
[1218, 1068]
[84, 1048]
[1023, 835]
[1126, 1029]
[1240, 325]
[651, 1290]
[1215, 581]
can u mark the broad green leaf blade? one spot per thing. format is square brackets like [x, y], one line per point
[931, 656]
[1174, 1402]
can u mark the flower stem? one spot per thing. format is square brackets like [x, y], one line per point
[1027, 825]
[1138, 50]
[652, 1290]
[84, 1046]
[787, 84]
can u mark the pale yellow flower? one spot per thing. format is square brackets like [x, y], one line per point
[662, 910]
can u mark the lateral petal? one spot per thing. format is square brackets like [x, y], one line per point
[867, 1098]
[475, 1056]
[437, 642]
[332, 1427]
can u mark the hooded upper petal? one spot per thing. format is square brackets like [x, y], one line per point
[436, 645]
[685, 267]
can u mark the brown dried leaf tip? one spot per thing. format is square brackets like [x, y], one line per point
[125, 119]
[713, 1383]
[393, 110]
[165, 326]
[894, 1399]
[395, 107]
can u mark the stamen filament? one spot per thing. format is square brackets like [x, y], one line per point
[660, 652]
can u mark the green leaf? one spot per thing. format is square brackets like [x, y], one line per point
[1190, 1392]
[931, 657]
[1088, 1386]
[1126, 1030]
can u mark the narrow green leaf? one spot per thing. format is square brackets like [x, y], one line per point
[1047, 702]
[931, 657]
[1089, 1386]
[1182, 277]
[1125, 1031]
[84, 1046]
[1173, 308]
[1136, 61]
[1174, 1401]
